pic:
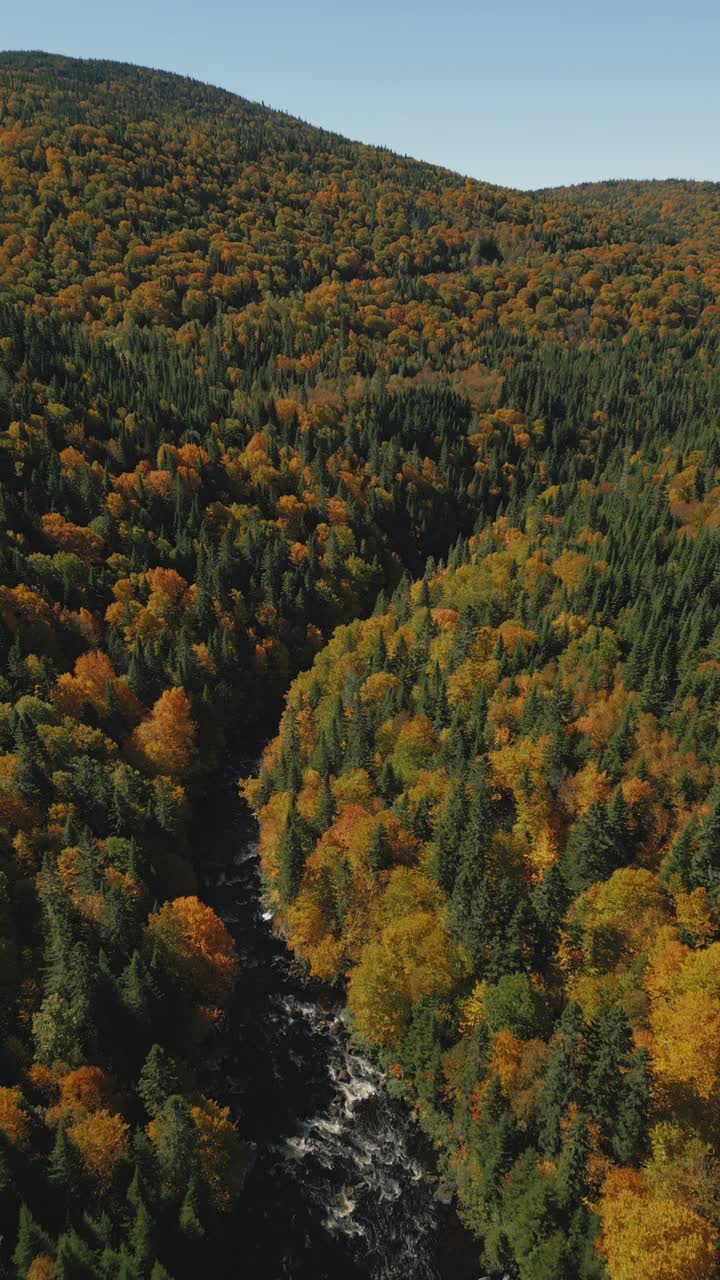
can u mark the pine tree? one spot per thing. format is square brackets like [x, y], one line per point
[617, 827]
[572, 1164]
[29, 776]
[610, 1042]
[158, 1079]
[619, 747]
[629, 1140]
[64, 1165]
[530, 1222]
[326, 807]
[704, 868]
[292, 855]
[189, 1218]
[358, 751]
[139, 675]
[74, 1258]
[159, 1273]
[563, 1078]
[550, 899]
[141, 1239]
[137, 990]
[448, 836]
[387, 784]
[377, 851]
[176, 1146]
[681, 853]
[478, 829]
[31, 1241]
[118, 917]
[596, 846]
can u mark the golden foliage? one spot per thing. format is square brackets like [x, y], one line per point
[223, 1155]
[14, 1120]
[102, 1139]
[165, 740]
[193, 945]
[648, 1239]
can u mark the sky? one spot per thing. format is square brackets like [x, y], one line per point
[518, 93]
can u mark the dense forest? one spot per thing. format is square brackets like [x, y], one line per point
[273, 403]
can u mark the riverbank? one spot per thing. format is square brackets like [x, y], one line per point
[343, 1184]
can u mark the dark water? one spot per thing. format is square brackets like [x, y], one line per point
[343, 1184]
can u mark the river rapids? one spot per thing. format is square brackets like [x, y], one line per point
[343, 1184]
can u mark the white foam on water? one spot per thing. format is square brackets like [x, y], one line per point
[354, 1160]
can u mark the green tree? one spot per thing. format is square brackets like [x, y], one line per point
[32, 1240]
[158, 1079]
[564, 1077]
[295, 844]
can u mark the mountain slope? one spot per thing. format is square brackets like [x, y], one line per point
[252, 374]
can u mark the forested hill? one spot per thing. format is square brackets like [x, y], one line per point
[254, 379]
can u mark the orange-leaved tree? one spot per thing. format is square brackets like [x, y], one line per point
[164, 742]
[192, 943]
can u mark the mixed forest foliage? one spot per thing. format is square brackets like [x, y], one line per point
[258, 383]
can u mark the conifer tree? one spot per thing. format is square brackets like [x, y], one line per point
[564, 1077]
[31, 1241]
[609, 1046]
[572, 1164]
[704, 870]
[629, 1139]
[65, 1166]
[292, 855]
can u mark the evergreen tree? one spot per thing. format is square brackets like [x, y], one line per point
[629, 1141]
[449, 836]
[189, 1218]
[704, 870]
[65, 1166]
[378, 851]
[158, 1079]
[141, 1239]
[74, 1259]
[176, 1146]
[596, 846]
[31, 1241]
[326, 807]
[292, 855]
[572, 1164]
[563, 1079]
[137, 990]
[610, 1042]
[681, 854]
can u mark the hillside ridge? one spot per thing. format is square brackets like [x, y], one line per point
[96, 68]
[289, 420]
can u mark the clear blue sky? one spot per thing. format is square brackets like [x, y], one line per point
[528, 92]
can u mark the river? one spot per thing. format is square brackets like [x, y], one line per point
[343, 1185]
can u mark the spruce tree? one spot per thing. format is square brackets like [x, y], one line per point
[704, 870]
[326, 807]
[449, 835]
[137, 990]
[610, 1043]
[74, 1259]
[158, 1079]
[572, 1164]
[292, 855]
[629, 1140]
[596, 846]
[562, 1083]
[31, 1241]
[141, 1239]
[65, 1170]
[189, 1219]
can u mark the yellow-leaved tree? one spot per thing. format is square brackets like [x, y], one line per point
[648, 1239]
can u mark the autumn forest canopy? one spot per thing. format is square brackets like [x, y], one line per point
[284, 416]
